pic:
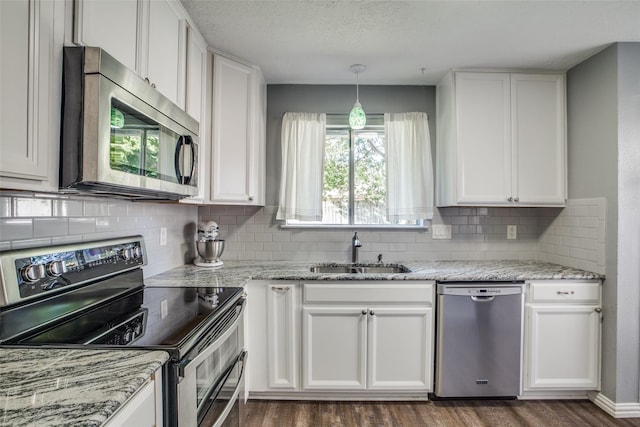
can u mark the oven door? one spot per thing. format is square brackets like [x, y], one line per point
[211, 374]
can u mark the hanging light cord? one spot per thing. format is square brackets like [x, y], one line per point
[357, 88]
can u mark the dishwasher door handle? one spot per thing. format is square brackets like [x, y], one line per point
[483, 298]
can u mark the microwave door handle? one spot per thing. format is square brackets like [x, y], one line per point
[192, 168]
[176, 159]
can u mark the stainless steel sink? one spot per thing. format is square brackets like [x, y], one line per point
[360, 269]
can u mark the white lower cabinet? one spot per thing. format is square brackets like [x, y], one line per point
[355, 337]
[562, 336]
[273, 336]
[144, 408]
[367, 336]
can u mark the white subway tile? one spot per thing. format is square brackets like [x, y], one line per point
[23, 207]
[82, 225]
[49, 227]
[5, 207]
[16, 229]
[589, 222]
[97, 208]
[67, 208]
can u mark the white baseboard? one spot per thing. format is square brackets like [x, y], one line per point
[616, 410]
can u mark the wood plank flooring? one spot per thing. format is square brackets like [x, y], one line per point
[472, 413]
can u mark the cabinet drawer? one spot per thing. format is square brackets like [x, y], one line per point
[363, 292]
[583, 292]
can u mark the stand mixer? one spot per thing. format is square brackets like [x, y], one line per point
[209, 248]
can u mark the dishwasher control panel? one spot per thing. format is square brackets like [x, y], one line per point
[476, 289]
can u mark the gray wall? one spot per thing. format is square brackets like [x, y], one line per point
[604, 162]
[337, 99]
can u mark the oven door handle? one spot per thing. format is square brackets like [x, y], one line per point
[236, 392]
[186, 365]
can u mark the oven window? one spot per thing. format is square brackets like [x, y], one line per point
[139, 145]
[210, 373]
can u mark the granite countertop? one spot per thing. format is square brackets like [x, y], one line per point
[237, 273]
[64, 387]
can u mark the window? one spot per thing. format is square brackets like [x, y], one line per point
[379, 176]
[354, 184]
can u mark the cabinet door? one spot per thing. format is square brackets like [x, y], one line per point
[283, 331]
[539, 138]
[231, 156]
[334, 346]
[112, 25]
[30, 78]
[144, 408]
[562, 347]
[400, 348]
[256, 335]
[165, 62]
[483, 151]
[196, 72]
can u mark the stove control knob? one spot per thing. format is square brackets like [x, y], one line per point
[137, 252]
[56, 268]
[32, 272]
[126, 254]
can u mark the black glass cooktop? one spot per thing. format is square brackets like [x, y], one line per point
[117, 313]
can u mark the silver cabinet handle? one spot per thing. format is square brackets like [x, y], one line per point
[517, 199]
[509, 199]
[364, 312]
[598, 310]
[280, 288]
[251, 198]
[566, 292]
[372, 313]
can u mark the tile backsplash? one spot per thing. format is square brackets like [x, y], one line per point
[573, 236]
[576, 236]
[477, 233]
[41, 220]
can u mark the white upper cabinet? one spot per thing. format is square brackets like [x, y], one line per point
[149, 38]
[32, 35]
[238, 134]
[165, 41]
[501, 139]
[94, 26]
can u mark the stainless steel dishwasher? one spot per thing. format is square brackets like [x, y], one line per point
[479, 339]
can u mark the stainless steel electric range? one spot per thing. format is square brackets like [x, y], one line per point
[92, 295]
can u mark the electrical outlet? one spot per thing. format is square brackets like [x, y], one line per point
[163, 236]
[512, 232]
[441, 231]
[164, 309]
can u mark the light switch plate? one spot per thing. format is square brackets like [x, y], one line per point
[441, 231]
[512, 232]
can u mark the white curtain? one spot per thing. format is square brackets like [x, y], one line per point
[409, 167]
[303, 137]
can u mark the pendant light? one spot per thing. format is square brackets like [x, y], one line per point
[357, 117]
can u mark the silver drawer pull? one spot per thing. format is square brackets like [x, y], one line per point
[280, 288]
[598, 310]
[364, 312]
[566, 292]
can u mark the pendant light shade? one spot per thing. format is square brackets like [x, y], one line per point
[357, 116]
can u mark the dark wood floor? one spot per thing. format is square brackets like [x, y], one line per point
[475, 413]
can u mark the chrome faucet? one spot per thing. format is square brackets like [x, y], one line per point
[355, 245]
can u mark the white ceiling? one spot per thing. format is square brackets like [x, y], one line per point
[409, 42]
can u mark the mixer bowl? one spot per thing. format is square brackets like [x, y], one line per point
[210, 250]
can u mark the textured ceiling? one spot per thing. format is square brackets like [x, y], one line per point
[409, 42]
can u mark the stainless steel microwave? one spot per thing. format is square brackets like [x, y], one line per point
[120, 136]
